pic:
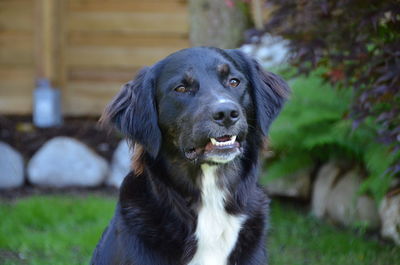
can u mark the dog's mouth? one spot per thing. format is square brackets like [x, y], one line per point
[222, 143]
[219, 150]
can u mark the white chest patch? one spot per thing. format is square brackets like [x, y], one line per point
[216, 231]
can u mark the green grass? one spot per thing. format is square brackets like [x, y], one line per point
[63, 229]
[298, 239]
[54, 230]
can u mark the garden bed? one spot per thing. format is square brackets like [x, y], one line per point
[20, 133]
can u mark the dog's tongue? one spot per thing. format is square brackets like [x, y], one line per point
[223, 138]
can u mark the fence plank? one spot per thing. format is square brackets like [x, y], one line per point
[128, 6]
[128, 22]
[19, 54]
[16, 56]
[115, 57]
[96, 74]
[124, 39]
[15, 105]
[16, 85]
[17, 15]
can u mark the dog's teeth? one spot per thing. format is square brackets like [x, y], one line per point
[215, 142]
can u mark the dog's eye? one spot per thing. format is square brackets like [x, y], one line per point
[181, 89]
[234, 82]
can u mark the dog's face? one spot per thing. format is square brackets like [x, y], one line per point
[203, 102]
[199, 103]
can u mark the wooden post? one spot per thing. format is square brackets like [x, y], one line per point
[50, 41]
[256, 7]
[45, 39]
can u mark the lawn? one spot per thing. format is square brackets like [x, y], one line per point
[300, 239]
[64, 229]
[56, 230]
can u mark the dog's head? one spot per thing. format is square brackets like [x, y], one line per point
[198, 103]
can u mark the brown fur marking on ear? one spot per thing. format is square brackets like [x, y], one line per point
[104, 119]
[105, 123]
[137, 159]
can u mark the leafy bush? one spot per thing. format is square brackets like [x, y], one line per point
[357, 42]
[314, 127]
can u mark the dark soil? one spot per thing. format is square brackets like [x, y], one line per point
[20, 133]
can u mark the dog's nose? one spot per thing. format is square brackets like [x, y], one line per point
[225, 114]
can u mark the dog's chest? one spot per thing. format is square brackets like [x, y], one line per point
[216, 231]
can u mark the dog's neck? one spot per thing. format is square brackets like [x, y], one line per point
[185, 177]
[185, 189]
[216, 230]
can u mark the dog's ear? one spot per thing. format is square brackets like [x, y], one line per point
[133, 112]
[269, 91]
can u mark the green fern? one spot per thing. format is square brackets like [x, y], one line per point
[377, 160]
[286, 165]
[313, 127]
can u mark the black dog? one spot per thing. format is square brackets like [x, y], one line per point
[197, 119]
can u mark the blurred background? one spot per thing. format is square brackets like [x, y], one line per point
[332, 166]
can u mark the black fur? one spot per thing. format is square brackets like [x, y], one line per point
[156, 215]
[134, 112]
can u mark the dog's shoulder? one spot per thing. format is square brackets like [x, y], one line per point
[107, 249]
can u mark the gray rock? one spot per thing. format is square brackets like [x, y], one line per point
[270, 51]
[63, 162]
[346, 207]
[121, 164]
[367, 212]
[326, 176]
[11, 167]
[389, 212]
[296, 185]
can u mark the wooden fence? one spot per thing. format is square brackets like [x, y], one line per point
[87, 48]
